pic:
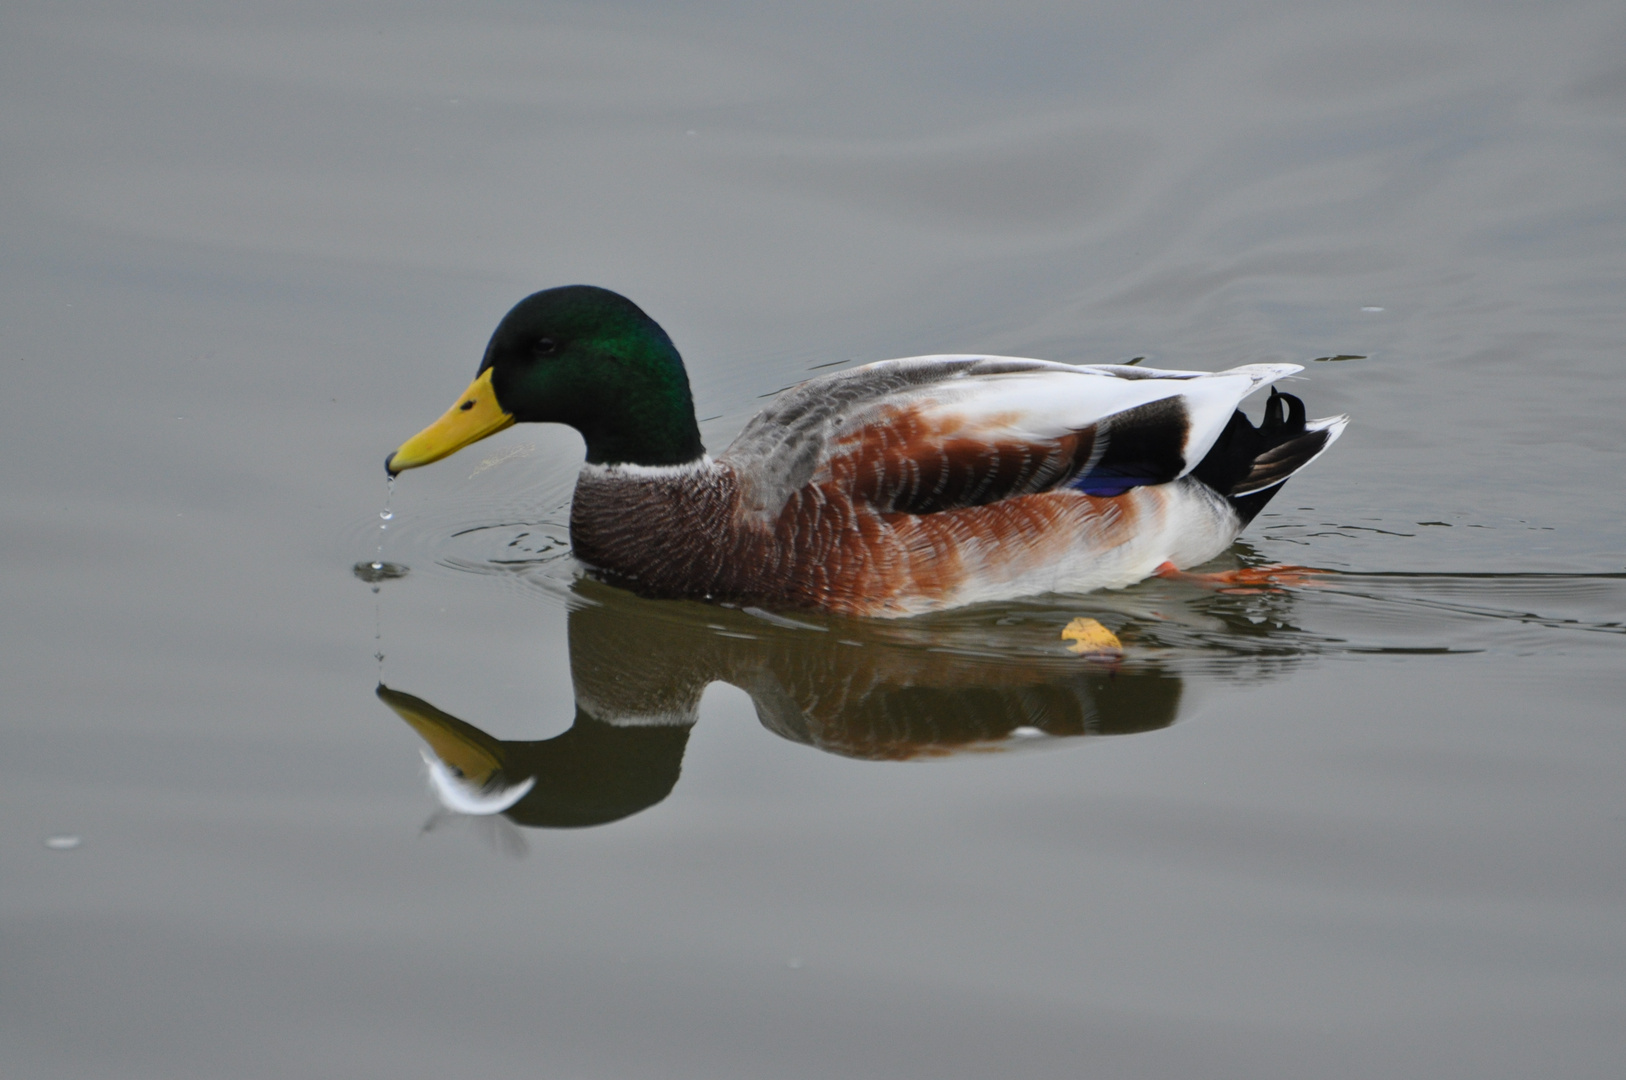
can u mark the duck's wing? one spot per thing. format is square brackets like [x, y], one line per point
[932, 433]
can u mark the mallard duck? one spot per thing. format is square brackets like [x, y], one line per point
[891, 489]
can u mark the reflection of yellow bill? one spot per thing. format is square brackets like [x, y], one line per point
[1090, 638]
[462, 746]
[475, 416]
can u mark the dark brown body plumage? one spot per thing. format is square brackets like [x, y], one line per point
[671, 533]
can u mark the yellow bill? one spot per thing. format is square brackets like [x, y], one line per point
[475, 416]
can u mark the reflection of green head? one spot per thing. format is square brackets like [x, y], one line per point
[592, 774]
[596, 773]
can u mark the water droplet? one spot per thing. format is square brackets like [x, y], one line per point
[376, 570]
[62, 843]
[1371, 309]
[387, 515]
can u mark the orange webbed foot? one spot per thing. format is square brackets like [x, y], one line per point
[1248, 579]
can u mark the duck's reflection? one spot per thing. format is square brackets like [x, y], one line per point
[880, 691]
[592, 774]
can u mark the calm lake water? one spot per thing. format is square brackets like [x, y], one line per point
[1371, 824]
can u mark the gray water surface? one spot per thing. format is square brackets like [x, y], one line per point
[1368, 822]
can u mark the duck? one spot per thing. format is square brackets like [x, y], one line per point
[891, 489]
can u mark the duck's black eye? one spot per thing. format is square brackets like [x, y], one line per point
[544, 347]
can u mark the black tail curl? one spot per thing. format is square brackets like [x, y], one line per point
[1248, 464]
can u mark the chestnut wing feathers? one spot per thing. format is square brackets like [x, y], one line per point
[928, 434]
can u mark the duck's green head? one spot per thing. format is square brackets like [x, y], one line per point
[576, 355]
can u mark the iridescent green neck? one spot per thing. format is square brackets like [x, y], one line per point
[641, 414]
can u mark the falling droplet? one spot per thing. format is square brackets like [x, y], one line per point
[380, 571]
[62, 843]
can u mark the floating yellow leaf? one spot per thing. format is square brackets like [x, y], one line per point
[1090, 638]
